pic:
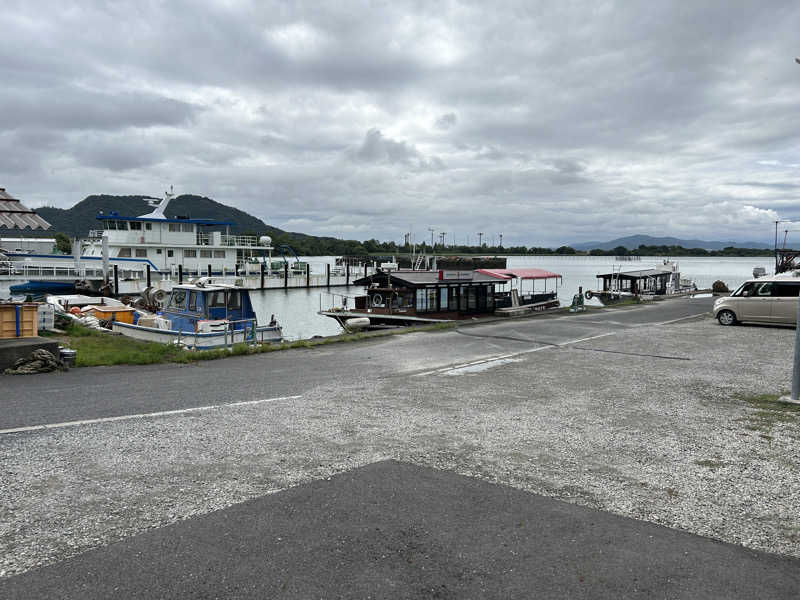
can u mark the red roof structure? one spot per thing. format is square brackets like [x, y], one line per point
[507, 274]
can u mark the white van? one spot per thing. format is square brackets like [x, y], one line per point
[765, 300]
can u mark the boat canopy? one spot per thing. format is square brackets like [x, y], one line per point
[507, 274]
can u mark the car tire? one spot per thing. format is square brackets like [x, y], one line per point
[726, 317]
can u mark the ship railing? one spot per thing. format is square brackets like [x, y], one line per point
[44, 271]
[205, 239]
[248, 333]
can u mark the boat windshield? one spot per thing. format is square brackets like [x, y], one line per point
[177, 300]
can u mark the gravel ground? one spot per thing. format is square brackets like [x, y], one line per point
[682, 443]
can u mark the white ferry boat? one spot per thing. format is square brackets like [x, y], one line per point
[136, 245]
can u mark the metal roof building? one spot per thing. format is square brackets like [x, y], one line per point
[15, 215]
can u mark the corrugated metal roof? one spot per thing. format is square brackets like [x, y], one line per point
[429, 277]
[637, 274]
[507, 274]
[15, 215]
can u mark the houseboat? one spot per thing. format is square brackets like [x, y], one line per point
[204, 315]
[402, 297]
[658, 281]
[519, 298]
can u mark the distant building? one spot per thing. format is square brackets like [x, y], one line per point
[16, 219]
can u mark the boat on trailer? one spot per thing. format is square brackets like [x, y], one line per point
[203, 315]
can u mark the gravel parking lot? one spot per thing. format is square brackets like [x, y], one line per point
[660, 423]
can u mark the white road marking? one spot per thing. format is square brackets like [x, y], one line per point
[504, 358]
[141, 415]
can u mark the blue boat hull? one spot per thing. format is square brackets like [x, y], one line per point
[43, 287]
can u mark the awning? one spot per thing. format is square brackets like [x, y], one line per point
[520, 273]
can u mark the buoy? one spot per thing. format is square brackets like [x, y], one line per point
[357, 322]
[75, 310]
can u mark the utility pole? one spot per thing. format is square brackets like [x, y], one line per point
[501, 240]
[480, 236]
[431, 230]
[441, 238]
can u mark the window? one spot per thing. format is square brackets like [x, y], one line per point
[234, 300]
[135, 226]
[170, 253]
[148, 226]
[174, 226]
[193, 301]
[177, 300]
[219, 253]
[158, 251]
[122, 225]
[765, 289]
[422, 301]
[187, 227]
[205, 253]
[490, 298]
[190, 254]
[472, 298]
[216, 300]
[431, 299]
[462, 300]
[111, 225]
[453, 300]
[141, 253]
[443, 299]
[786, 290]
[124, 252]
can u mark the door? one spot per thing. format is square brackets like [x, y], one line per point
[784, 301]
[756, 302]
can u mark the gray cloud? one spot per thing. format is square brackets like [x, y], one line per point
[553, 122]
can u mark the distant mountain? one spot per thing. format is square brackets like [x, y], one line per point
[78, 220]
[632, 242]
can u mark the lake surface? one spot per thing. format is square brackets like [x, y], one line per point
[296, 309]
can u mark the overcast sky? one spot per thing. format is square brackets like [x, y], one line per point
[549, 122]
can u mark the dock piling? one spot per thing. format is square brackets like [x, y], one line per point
[148, 275]
[116, 280]
[180, 273]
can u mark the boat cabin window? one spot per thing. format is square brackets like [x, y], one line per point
[193, 301]
[234, 300]
[112, 225]
[124, 252]
[174, 226]
[205, 253]
[122, 225]
[219, 253]
[170, 253]
[148, 226]
[135, 226]
[177, 300]
[216, 300]
[190, 254]
[187, 227]
[141, 252]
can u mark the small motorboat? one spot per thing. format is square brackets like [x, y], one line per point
[203, 315]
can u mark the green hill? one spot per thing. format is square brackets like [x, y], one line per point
[78, 220]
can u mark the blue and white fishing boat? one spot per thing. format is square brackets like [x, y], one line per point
[204, 315]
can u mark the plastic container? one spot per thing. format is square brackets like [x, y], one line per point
[68, 356]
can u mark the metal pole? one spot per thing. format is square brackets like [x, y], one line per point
[262, 275]
[794, 398]
[327, 276]
[116, 280]
[209, 270]
[180, 273]
[347, 274]
[308, 275]
[148, 275]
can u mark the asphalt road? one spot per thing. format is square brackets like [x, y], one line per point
[392, 530]
[105, 392]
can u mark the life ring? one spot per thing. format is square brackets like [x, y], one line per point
[588, 294]
[377, 300]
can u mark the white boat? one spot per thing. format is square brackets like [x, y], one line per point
[203, 315]
[135, 245]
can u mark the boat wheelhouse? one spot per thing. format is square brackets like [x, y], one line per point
[204, 315]
[407, 297]
[658, 281]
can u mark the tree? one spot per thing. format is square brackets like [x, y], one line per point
[63, 243]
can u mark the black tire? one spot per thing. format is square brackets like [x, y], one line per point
[588, 294]
[726, 317]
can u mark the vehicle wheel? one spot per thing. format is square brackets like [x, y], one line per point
[726, 317]
[588, 294]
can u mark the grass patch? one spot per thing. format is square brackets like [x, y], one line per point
[96, 348]
[768, 411]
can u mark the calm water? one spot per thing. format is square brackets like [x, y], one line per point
[297, 309]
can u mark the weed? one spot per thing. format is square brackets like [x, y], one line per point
[768, 412]
[711, 464]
